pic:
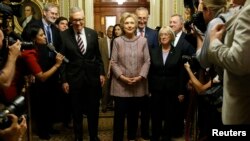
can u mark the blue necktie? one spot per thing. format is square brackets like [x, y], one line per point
[49, 39]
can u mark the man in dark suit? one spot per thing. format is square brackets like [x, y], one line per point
[181, 43]
[177, 24]
[105, 50]
[45, 106]
[83, 76]
[152, 39]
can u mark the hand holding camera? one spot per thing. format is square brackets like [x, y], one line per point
[14, 50]
[16, 131]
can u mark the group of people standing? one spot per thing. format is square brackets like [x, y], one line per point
[147, 77]
[139, 72]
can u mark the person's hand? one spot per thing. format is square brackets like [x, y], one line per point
[108, 74]
[136, 79]
[217, 32]
[65, 87]
[16, 131]
[186, 65]
[126, 80]
[59, 59]
[23, 127]
[181, 98]
[14, 50]
[102, 79]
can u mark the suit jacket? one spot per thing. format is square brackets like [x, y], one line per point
[33, 19]
[233, 56]
[168, 77]
[130, 57]
[152, 37]
[103, 47]
[185, 46]
[57, 40]
[82, 68]
[46, 56]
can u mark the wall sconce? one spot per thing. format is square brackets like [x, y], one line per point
[120, 2]
[102, 21]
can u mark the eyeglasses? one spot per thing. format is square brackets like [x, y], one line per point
[142, 18]
[77, 20]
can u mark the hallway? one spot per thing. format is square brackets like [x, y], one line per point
[105, 130]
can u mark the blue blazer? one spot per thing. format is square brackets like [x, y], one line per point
[152, 37]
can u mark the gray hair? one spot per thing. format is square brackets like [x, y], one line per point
[180, 17]
[74, 10]
[168, 30]
[48, 6]
[141, 9]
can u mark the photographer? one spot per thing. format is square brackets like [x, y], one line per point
[8, 57]
[232, 53]
[16, 131]
[8, 71]
[213, 12]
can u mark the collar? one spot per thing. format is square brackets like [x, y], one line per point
[81, 32]
[178, 34]
[29, 18]
[139, 30]
[45, 23]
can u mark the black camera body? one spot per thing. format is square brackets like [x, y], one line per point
[16, 107]
[192, 60]
[7, 12]
[197, 20]
[24, 45]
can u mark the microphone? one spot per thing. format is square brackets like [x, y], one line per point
[52, 48]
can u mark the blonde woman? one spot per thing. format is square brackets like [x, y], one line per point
[130, 63]
[166, 86]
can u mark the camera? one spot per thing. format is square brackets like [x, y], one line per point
[192, 60]
[197, 20]
[16, 107]
[24, 45]
[8, 10]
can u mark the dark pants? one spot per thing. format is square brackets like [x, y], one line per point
[145, 117]
[43, 99]
[107, 99]
[85, 100]
[126, 107]
[166, 115]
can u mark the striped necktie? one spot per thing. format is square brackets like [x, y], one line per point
[80, 42]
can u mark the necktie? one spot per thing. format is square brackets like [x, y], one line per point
[49, 39]
[80, 43]
[142, 33]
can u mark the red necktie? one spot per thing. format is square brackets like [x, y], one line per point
[142, 33]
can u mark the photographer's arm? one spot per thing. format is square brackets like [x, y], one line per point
[199, 87]
[7, 73]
